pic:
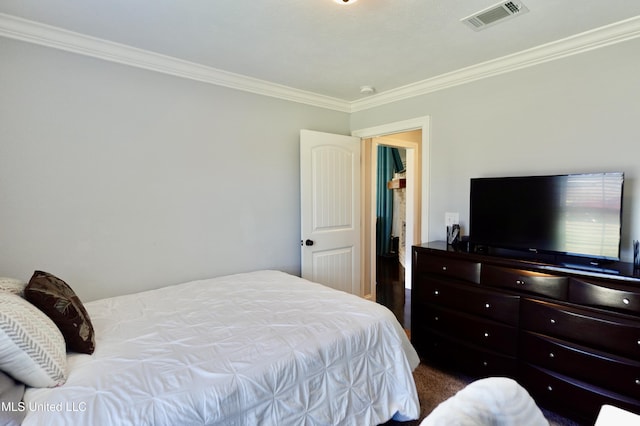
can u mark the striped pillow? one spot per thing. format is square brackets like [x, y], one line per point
[32, 349]
[12, 285]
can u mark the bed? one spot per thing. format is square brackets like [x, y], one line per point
[263, 348]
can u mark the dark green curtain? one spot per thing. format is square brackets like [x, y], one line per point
[389, 162]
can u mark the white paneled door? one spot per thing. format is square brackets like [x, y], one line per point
[330, 208]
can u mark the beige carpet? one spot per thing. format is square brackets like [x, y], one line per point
[435, 385]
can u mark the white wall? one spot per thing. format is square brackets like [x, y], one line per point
[577, 114]
[118, 179]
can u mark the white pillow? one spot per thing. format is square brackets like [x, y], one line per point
[12, 285]
[493, 401]
[32, 349]
[11, 394]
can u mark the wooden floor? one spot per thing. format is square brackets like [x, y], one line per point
[390, 289]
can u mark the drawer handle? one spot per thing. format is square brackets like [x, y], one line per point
[436, 292]
[625, 301]
[444, 268]
[637, 381]
[520, 282]
[436, 318]
[485, 364]
[486, 305]
[486, 334]
[552, 321]
[551, 355]
[549, 388]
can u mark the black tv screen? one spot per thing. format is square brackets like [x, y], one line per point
[575, 214]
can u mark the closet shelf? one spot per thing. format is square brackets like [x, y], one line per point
[397, 183]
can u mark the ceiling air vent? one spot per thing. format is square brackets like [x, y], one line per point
[494, 14]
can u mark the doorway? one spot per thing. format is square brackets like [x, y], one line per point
[391, 224]
[395, 202]
[417, 194]
[412, 136]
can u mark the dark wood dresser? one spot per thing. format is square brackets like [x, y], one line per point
[571, 337]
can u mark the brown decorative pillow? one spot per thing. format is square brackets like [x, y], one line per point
[55, 298]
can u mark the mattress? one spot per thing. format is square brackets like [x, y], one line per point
[261, 348]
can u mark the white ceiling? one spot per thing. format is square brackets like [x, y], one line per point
[320, 46]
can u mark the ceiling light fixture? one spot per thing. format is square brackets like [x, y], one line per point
[345, 1]
[367, 90]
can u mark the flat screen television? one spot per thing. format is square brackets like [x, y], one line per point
[576, 215]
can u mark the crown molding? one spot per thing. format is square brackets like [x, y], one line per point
[58, 38]
[583, 42]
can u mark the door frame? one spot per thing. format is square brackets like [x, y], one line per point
[420, 193]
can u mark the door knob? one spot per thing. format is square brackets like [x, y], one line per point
[308, 243]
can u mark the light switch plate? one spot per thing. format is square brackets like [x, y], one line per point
[451, 218]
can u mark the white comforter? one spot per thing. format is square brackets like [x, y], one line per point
[263, 348]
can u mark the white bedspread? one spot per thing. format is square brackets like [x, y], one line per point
[262, 348]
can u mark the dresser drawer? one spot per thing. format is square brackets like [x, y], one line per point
[484, 333]
[569, 396]
[609, 295]
[470, 359]
[616, 373]
[523, 280]
[448, 267]
[500, 307]
[615, 334]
